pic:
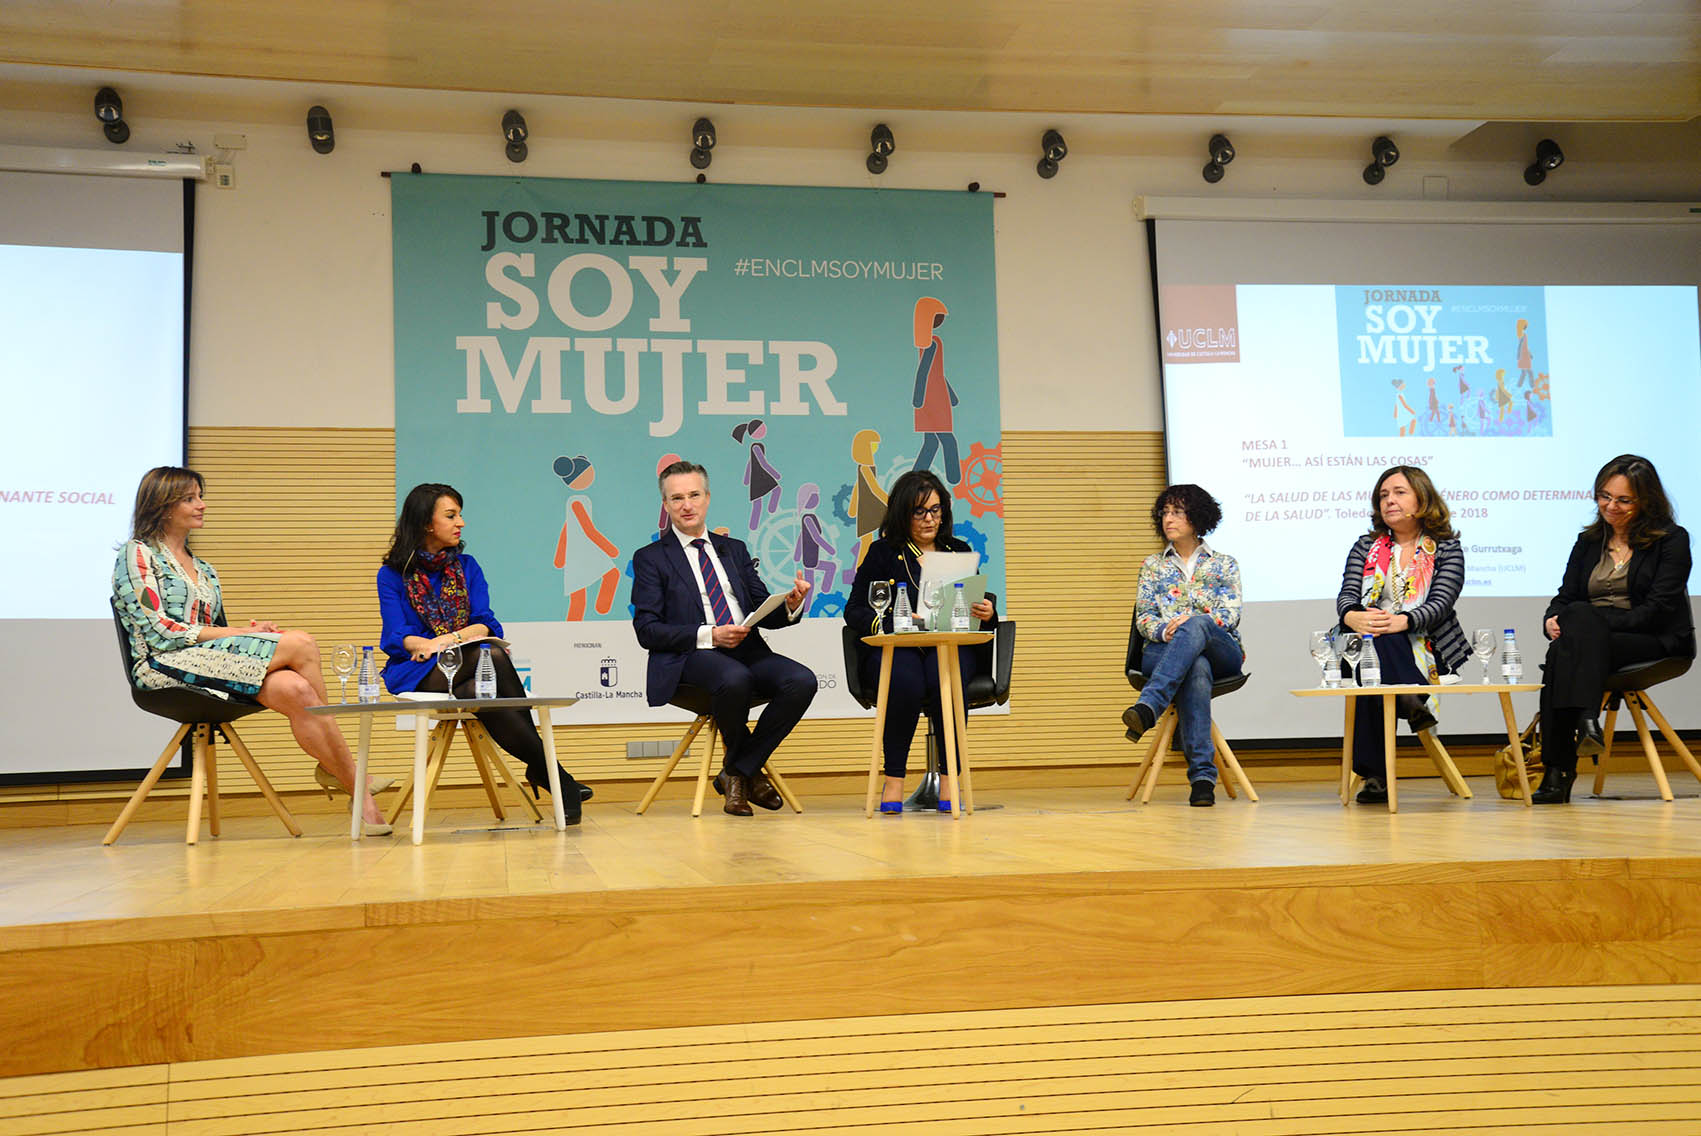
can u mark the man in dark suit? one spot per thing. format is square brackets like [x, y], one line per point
[691, 591]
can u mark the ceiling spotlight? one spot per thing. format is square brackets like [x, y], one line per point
[1383, 153]
[702, 141]
[1548, 157]
[1052, 151]
[514, 134]
[319, 132]
[880, 139]
[109, 108]
[1222, 153]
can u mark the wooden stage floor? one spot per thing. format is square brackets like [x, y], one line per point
[64, 876]
[155, 983]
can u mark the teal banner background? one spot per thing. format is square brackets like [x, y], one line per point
[768, 333]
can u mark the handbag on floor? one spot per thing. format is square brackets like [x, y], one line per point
[1506, 769]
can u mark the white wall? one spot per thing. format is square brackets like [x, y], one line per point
[292, 316]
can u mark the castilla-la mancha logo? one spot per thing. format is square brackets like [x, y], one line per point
[1200, 323]
[608, 673]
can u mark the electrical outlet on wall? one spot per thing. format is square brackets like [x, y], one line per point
[224, 175]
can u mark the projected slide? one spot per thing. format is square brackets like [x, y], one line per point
[1287, 400]
[91, 372]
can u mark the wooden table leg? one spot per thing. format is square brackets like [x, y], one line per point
[947, 680]
[362, 750]
[547, 733]
[875, 762]
[960, 712]
[1388, 752]
[1351, 703]
[1517, 745]
[421, 731]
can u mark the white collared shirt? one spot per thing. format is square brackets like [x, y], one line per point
[705, 633]
[1188, 563]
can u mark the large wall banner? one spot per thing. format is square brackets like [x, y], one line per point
[558, 342]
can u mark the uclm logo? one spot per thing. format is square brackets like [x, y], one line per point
[1201, 323]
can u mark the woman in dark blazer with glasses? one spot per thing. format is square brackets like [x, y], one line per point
[918, 521]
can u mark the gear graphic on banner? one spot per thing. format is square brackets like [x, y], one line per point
[982, 485]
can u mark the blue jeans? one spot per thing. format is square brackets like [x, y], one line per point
[1182, 671]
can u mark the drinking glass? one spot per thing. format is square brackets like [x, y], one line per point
[932, 598]
[1350, 645]
[1320, 650]
[1482, 646]
[449, 661]
[880, 595]
[343, 660]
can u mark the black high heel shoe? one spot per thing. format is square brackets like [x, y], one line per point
[573, 794]
[1555, 787]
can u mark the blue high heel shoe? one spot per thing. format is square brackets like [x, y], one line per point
[891, 807]
[944, 805]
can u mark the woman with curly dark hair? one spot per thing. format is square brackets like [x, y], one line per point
[1624, 599]
[1188, 613]
[1401, 581]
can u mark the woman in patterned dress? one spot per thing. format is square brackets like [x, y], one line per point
[1188, 611]
[170, 603]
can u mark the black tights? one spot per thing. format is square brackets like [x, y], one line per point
[513, 730]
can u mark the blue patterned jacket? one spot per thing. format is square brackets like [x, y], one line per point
[1166, 592]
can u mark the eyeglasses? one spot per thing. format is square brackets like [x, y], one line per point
[932, 512]
[1605, 499]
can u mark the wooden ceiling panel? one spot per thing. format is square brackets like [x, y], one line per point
[1538, 60]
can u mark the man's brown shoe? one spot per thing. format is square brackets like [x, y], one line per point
[763, 794]
[737, 795]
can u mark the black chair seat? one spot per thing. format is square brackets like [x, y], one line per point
[990, 685]
[695, 700]
[1137, 677]
[182, 704]
[1640, 676]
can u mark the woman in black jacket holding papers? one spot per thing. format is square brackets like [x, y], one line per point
[918, 521]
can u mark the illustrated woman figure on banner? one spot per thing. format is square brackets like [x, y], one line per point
[933, 397]
[759, 474]
[585, 556]
[868, 500]
[811, 541]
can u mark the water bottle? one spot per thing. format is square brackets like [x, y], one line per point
[1511, 661]
[902, 618]
[960, 610]
[484, 679]
[367, 687]
[1369, 666]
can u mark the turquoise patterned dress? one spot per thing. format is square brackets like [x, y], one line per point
[164, 612]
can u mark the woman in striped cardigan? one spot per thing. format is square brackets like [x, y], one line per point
[1401, 581]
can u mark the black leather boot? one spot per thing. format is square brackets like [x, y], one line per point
[1555, 787]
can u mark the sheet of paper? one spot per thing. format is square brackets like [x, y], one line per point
[767, 608]
[945, 569]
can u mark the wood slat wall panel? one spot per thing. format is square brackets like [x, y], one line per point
[1443, 1060]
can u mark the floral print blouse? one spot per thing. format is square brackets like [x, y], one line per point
[1166, 591]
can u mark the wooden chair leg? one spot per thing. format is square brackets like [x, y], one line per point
[1632, 701]
[783, 789]
[197, 785]
[1165, 727]
[679, 752]
[213, 780]
[486, 776]
[1671, 734]
[259, 777]
[495, 760]
[436, 747]
[1606, 753]
[1225, 754]
[146, 787]
[703, 771]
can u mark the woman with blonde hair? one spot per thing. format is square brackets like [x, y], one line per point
[170, 602]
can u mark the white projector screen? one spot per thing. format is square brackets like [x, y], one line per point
[92, 363]
[1510, 361]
